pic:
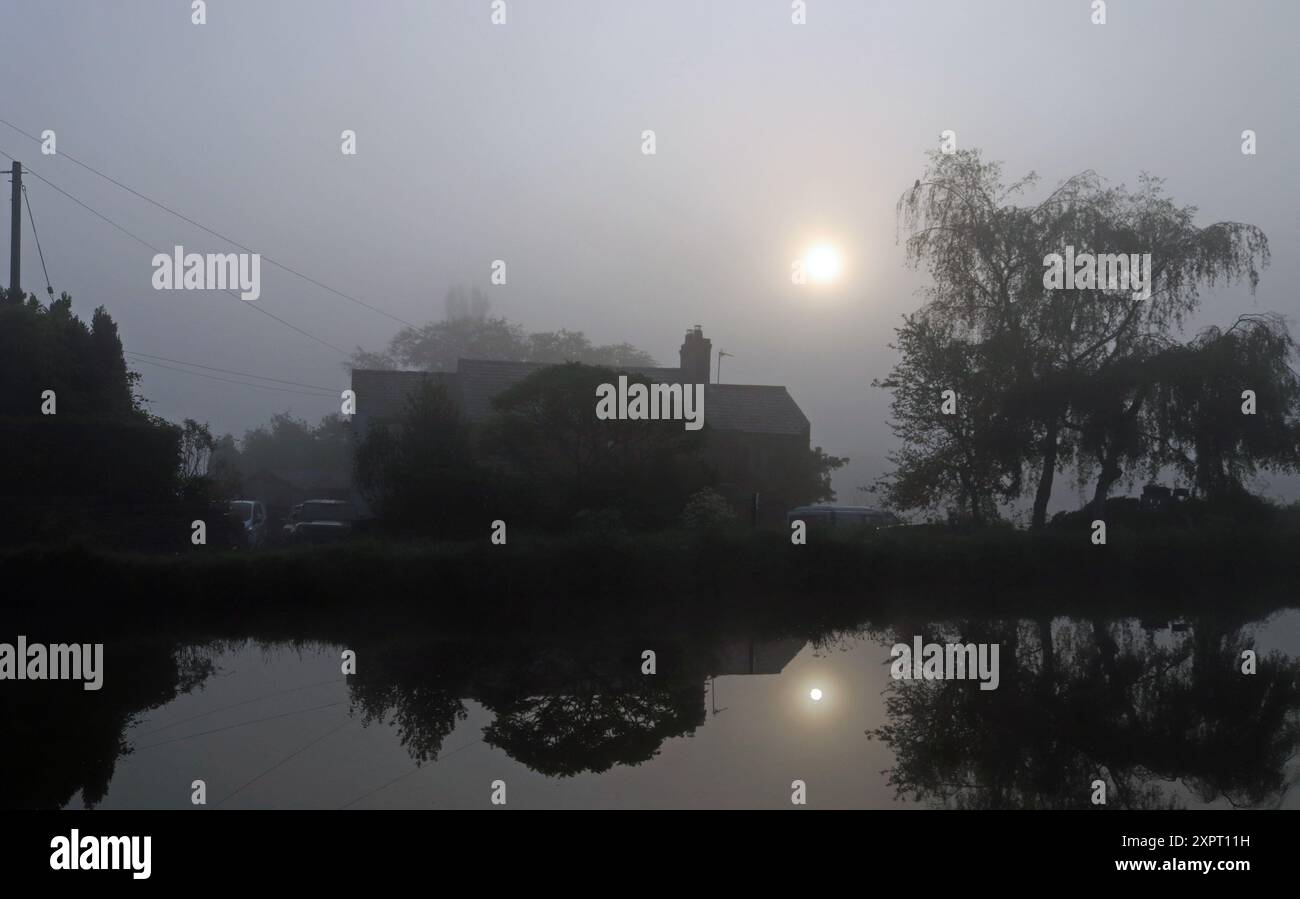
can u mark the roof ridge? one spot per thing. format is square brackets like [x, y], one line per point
[760, 386]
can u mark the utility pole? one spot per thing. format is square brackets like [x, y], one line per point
[16, 231]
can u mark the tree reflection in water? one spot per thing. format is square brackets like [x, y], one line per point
[1164, 718]
[559, 709]
[1082, 700]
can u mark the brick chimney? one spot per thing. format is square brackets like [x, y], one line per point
[696, 352]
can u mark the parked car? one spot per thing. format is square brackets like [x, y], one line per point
[251, 514]
[842, 516]
[320, 521]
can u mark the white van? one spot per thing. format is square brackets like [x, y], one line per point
[252, 515]
[842, 516]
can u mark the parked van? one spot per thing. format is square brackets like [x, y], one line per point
[251, 514]
[842, 516]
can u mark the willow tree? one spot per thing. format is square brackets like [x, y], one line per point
[1226, 405]
[949, 410]
[986, 254]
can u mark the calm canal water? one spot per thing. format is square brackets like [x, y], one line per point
[1159, 710]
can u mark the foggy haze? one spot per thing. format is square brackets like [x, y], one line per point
[523, 143]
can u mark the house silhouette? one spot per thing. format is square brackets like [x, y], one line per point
[753, 429]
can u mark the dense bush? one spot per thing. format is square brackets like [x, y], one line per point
[75, 462]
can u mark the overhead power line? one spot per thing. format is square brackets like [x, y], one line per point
[199, 374]
[230, 371]
[218, 730]
[230, 240]
[288, 758]
[146, 243]
[225, 708]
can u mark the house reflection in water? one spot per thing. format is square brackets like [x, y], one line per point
[745, 655]
[749, 656]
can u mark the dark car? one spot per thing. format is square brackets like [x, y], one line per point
[320, 521]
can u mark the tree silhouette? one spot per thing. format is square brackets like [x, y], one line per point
[986, 256]
[468, 332]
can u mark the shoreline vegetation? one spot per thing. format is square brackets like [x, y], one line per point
[674, 581]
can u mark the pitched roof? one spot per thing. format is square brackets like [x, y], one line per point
[662, 375]
[482, 380]
[381, 393]
[752, 409]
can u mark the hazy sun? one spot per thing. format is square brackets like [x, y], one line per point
[823, 263]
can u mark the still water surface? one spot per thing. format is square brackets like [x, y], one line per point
[1160, 710]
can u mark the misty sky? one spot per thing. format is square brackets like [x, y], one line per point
[523, 142]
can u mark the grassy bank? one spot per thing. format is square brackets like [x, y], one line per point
[669, 579]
